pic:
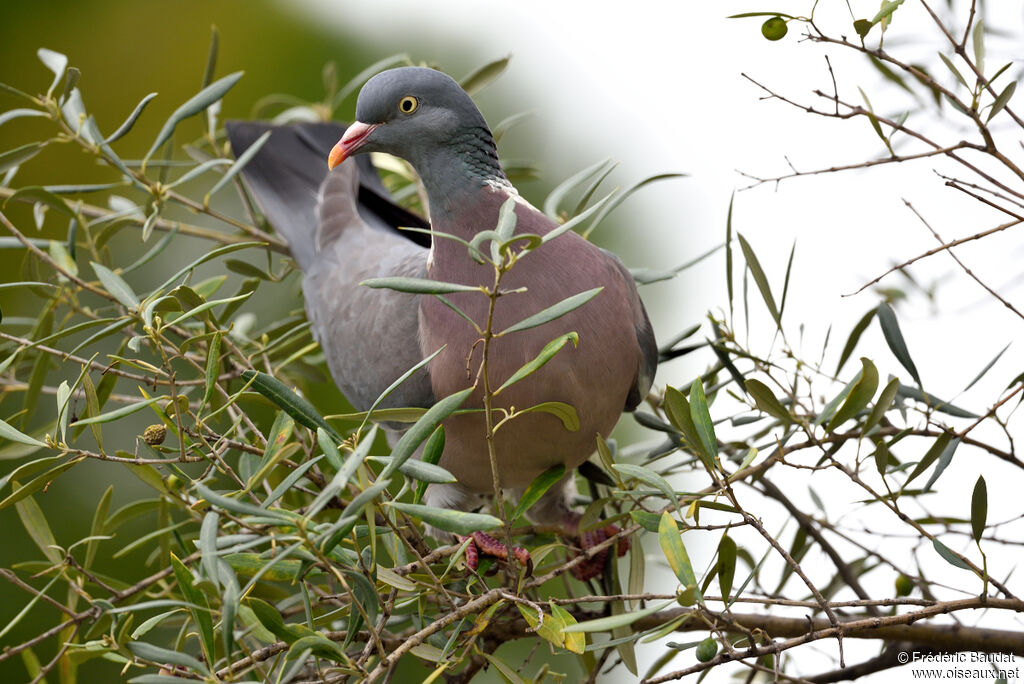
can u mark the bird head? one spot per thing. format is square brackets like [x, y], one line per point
[405, 112]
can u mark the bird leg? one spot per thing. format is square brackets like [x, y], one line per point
[483, 543]
[554, 510]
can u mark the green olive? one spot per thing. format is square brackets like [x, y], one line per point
[707, 649]
[904, 585]
[775, 28]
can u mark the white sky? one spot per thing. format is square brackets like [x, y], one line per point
[657, 86]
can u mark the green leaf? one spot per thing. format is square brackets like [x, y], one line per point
[212, 367]
[417, 285]
[118, 413]
[881, 406]
[536, 489]
[949, 65]
[458, 522]
[556, 196]
[987, 367]
[862, 27]
[936, 449]
[726, 565]
[432, 452]
[199, 607]
[607, 207]
[422, 429]
[649, 477]
[38, 529]
[1002, 99]
[550, 626]
[203, 99]
[418, 470]
[20, 492]
[116, 286]
[545, 355]
[861, 392]
[123, 129]
[574, 641]
[564, 412]
[288, 401]
[8, 432]
[160, 655]
[677, 408]
[702, 419]
[614, 621]
[239, 164]
[552, 312]
[894, 338]
[55, 62]
[759, 278]
[475, 81]
[504, 669]
[19, 155]
[948, 555]
[675, 552]
[765, 400]
[979, 508]
[978, 41]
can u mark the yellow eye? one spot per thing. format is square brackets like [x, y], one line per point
[408, 104]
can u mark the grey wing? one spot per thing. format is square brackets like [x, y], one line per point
[644, 337]
[370, 337]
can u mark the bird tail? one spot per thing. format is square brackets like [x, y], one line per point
[285, 177]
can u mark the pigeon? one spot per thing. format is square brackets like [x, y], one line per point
[342, 229]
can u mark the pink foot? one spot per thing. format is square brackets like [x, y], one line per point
[594, 566]
[489, 546]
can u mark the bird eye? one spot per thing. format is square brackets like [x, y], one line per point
[408, 104]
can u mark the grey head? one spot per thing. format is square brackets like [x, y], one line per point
[423, 116]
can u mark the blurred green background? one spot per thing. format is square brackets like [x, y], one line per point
[126, 49]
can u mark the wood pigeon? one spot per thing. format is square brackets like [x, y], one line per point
[341, 229]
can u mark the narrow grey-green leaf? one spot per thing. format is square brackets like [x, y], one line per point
[894, 338]
[979, 508]
[458, 522]
[475, 81]
[702, 419]
[123, 129]
[726, 565]
[978, 40]
[288, 401]
[116, 286]
[417, 285]
[956, 72]
[212, 367]
[203, 99]
[948, 555]
[157, 654]
[239, 164]
[760, 279]
[936, 449]
[649, 477]
[765, 400]
[422, 429]
[987, 367]
[882, 405]
[541, 484]
[1002, 99]
[611, 622]
[556, 196]
[118, 413]
[18, 113]
[19, 155]
[545, 355]
[14, 435]
[860, 394]
[55, 62]
[553, 312]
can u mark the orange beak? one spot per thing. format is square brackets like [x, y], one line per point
[354, 138]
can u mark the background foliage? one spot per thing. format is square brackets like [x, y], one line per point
[263, 543]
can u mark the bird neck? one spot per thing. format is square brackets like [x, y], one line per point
[467, 164]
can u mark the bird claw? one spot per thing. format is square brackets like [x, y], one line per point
[482, 543]
[594, 566]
